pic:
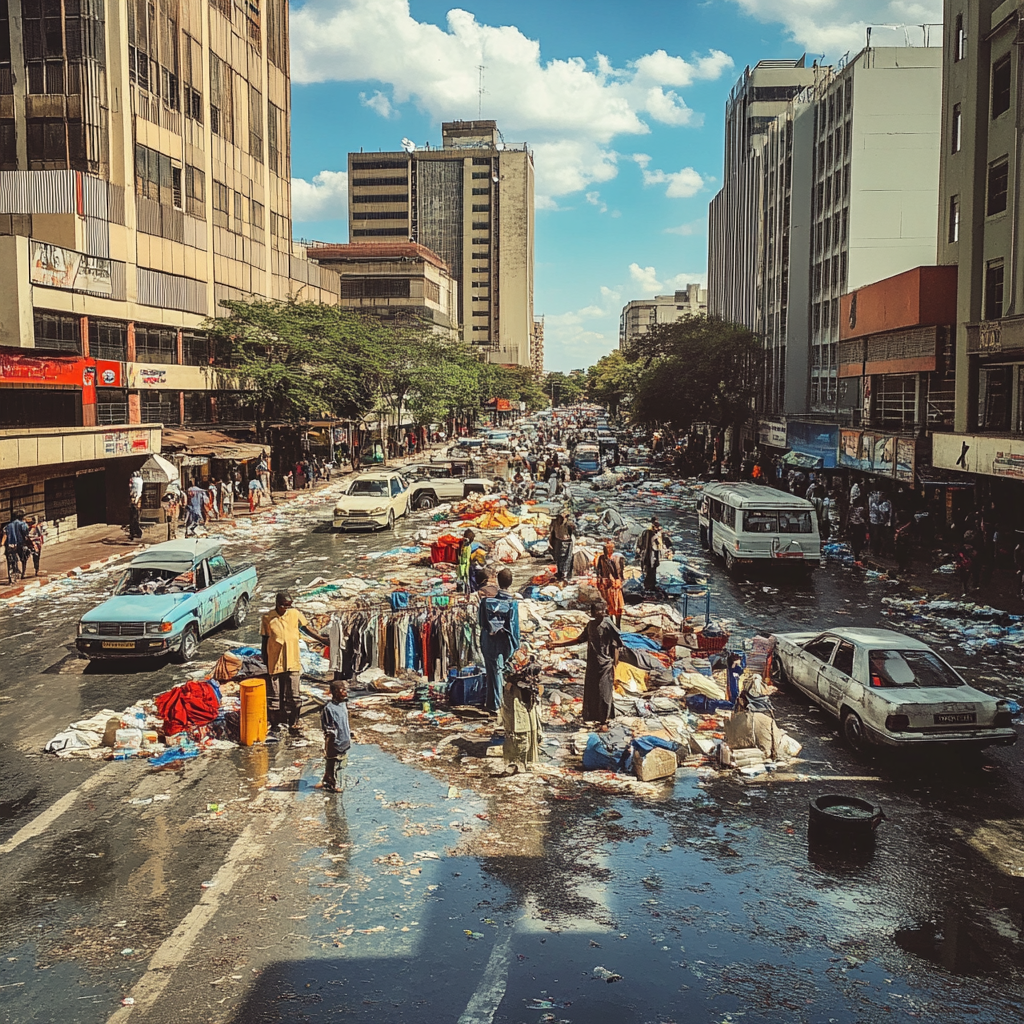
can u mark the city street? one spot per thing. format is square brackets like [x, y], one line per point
[227, 889]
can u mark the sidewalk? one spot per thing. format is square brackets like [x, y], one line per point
[95, 546]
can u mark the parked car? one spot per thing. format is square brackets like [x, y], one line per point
[890, 689]
[169, 597]
[372, 501]
[435, 482]
[746, 523]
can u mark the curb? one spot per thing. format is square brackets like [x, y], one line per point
[99, 563]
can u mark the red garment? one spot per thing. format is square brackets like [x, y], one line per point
[184, 707]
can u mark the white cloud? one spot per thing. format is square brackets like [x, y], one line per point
[580, 337]
[681, 184]
[641, 158]
[831, 26]
[649, 284]
[323, 198]
[569, 110]
[594, 198]
[378, 103]
[690, 228]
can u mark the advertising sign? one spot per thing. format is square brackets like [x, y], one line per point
[819, 440]
[55, 267]
[970, 453]
[906, 456]
[772, 432]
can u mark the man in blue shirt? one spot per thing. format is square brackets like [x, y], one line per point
[15, 541]
[499, 636]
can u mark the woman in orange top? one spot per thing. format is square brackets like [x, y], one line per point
[609, 582]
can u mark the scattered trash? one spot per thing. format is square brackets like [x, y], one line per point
[603, 974]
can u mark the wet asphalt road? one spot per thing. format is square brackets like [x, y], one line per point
[709, 904]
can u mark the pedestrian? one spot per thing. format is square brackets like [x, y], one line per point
[227, 498]
[172, 509]
[36, 537]
[966, 562]
[289, 480]
[255, 496]
[280, 631]
[856, 526]
[520, 714]
[561, 541]
[498, 618]
[263, 471]
[300, 477]
[135, 489]
[213, 504]
[875, 521]
[649, 549]
[603, 642]
[462, 558]
[609, 582]
[337, 736]
[15, 541]
[903, 543]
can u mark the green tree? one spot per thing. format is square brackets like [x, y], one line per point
[610, 381]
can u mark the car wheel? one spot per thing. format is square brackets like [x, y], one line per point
[853, 732]
[189, 645]
[391, 520]
[704, 538]
[241, 613]
[425, 501]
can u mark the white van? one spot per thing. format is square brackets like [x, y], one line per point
[746, 523]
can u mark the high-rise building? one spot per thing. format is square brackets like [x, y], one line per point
[638, 316]
[471, 202]
[144, 178]
[835, 190]
[537, 346]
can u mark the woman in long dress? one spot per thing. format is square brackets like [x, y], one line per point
[603, 642]
[609, 582]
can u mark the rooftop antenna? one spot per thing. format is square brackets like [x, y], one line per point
[481, 68]
[408, 145]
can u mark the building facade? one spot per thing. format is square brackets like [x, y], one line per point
[639, 315]
[979, 234]
[472, 203]
[537, 346]
[833, 191]
[394, 279]
[144, 178]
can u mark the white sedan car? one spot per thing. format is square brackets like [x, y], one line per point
[889, 689]
[372, 501]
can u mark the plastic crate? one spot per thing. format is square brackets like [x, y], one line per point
[711, 644]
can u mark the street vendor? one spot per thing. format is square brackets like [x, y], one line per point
[649, 549]
[280, 631]
[520, 714]
[603, 643]
[608, 568]
[462, 560]
[499, 636]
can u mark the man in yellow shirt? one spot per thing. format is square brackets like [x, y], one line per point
[280, 640]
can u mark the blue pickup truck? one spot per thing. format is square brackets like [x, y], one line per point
[170, 596]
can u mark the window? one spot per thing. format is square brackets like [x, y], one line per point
[956, 130]
[380, 232]
[192, 72]
[959, 39]
[481, 191]
[176, 188]
[379, 181]
[481, 161]
[843, 660]
[218, 568]
[1001, 86]
[195, 350]
[221, 204]
[108, 339]
[481, 241]
[954, 219]
[998, 185]
[155, 345]
[58, 333]
[911, 669]
[993, 289]
[277, 140]
[222, 108]
[255, 124]
[821, 649]
[402, 214]
[160, 407]
[383, 288]
[195, 191]
[380, 198]
[481, 174]
[111, 406]
[238, 211]
[257, 214]
[481, 207]
[396, 487]
[481, 225]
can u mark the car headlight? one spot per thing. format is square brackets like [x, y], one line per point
[340, 512]
[88, 628]
[379, 510]
[159, 627]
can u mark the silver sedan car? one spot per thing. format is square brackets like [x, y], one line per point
[889, 689]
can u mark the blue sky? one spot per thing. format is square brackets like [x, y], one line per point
[622, 104]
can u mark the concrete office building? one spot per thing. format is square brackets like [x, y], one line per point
[471, 202]
[394, 280]
[537, 346]
[640, 315]
[979, 233]
[144, 177]
[834, 191]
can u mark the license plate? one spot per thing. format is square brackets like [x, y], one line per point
[121, 645]
[963, 718]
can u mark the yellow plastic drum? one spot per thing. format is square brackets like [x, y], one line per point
[252, 725]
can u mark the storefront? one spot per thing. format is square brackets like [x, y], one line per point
[995, 465]
[817, 441]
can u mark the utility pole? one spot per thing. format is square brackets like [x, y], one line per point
[481, 68]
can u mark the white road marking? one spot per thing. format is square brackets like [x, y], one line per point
[247, 848]
[491, 990]
[39, 824]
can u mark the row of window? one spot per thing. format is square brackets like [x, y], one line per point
[400, 197]
[380, 214]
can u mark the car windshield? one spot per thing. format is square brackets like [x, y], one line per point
[910, 669]
[143, 580]
[368, 488]
[784, 521]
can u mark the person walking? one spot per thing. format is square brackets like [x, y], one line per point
[500, 638]
[337, 736]
[135, 489]
[609, 582]
[213, 505]
[263, 471]
[15, 542]
[195, 509]
[649, 549]
[520, 715]
[603, 641]
[462, 560]
[280, 630]
[856, 526]
[255, 495]
[227, 499]
[34, 544]
[561, 540]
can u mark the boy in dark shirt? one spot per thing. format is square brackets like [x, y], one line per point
[337, 736]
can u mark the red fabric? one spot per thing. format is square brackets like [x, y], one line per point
[184, 707]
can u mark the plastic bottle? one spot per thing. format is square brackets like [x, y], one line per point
[724, 754]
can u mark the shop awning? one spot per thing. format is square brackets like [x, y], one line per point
[799, 460]
[158, 470]
[930, 476]
[211, 444]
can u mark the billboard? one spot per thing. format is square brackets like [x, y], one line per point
[55, 267]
